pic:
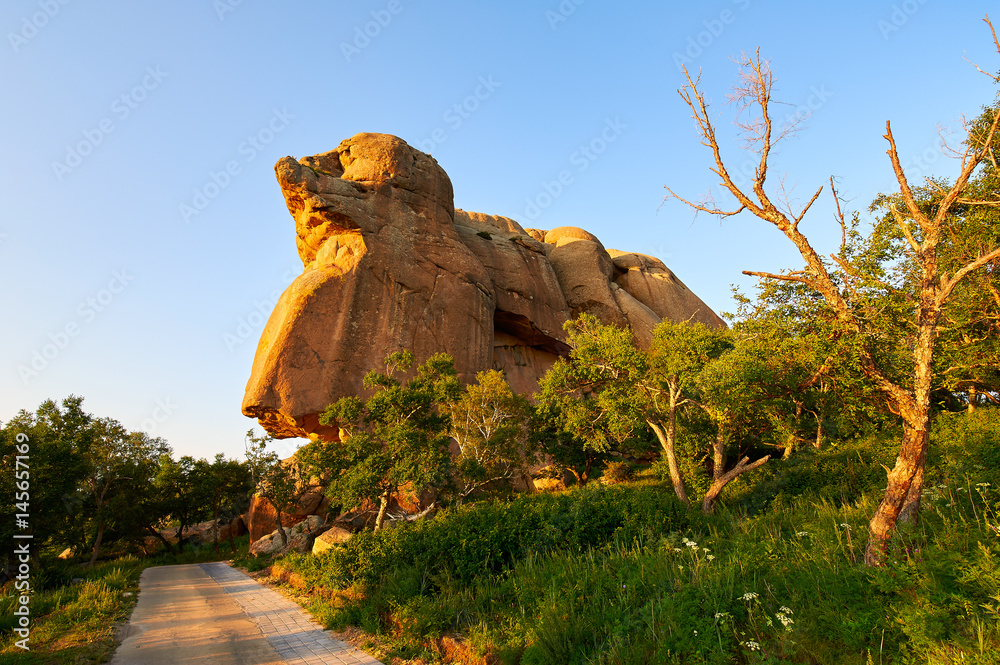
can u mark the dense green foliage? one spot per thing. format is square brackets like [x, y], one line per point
[94, 485]
[398, 436]
[485, 538]
[625, 574]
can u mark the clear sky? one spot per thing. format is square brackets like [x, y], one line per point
[143, 238]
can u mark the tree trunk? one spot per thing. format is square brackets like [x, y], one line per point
[586, 469]
[232, 539]
[180, 538]
[906, 480]
[215, 526]
[819, 432]
[911, 506]
[281, 527]
[170, 548]
[907, 474]
[720, 479]
[97, 544]
[973, 397]
[667, 442]
[789, 446]
[383, 506]
[719, 454]
[793, 437]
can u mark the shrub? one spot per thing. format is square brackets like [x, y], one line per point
[617, 472]
[465, 543]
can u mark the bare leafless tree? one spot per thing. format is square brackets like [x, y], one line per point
[909, 399]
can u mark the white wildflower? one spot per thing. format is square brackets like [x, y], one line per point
[749, 595]
[785, 610]
[710, 557]
[801, 533]
[753, 646]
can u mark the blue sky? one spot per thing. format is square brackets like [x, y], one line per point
[143, 238]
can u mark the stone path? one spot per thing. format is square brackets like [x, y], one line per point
[293, 633]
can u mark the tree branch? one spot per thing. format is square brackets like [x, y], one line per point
[948, 284]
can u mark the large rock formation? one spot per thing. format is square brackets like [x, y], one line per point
[390, 264]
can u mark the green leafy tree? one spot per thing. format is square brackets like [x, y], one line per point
[489, 424]
[589, 395]
[397, 437]
[184, 486]
[904, 376]
[729, 391]
[58, 438]
[271, 478]
[115, 456]
[806, 367]
[679, 353]
[608, 392]
[139, 507]
[229, 485]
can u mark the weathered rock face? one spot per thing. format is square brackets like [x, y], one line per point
[390, 264]
[335, 535]
[299, 537]
[262, 518]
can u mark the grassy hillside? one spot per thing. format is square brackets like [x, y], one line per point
[624, 574]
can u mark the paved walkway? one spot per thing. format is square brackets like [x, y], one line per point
[213, 614]
[293, 633]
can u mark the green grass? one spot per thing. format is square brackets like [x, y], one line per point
[77, 622]
[620, 574]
